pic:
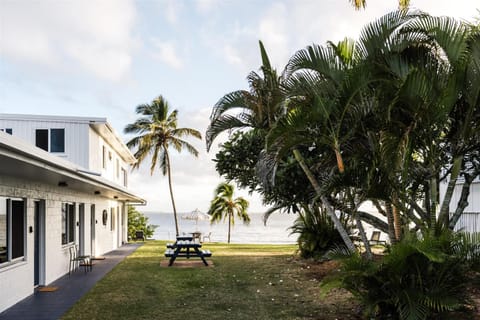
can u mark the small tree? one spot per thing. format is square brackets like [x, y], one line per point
[139, 222]
[225, 206]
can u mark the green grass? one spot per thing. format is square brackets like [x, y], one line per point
[245, 282]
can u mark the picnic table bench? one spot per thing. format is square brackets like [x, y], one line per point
[186, 249]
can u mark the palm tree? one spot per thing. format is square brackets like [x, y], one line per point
[157, 132]
[225, 206]
[256, 108]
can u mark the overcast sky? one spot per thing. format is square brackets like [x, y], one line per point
[102, 58]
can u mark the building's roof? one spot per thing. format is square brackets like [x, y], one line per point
[20, 159]
[100, 125]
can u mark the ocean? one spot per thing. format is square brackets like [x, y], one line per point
[275, 232]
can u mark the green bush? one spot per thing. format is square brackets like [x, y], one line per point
[138, 222]
[317, 233]
[416, 279]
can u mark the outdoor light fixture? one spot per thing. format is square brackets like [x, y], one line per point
[115, 197]
[62, 184]
[97, 192]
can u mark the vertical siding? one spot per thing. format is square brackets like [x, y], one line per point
[83, 146]
[469, 222]
[76, 136]
[473, 199]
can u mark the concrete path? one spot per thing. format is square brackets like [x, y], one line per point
[52, 305]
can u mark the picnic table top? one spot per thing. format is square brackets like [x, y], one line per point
[182, 238]
[188, 244]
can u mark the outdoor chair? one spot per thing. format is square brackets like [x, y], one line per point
[375, 239]
[207, 236]
[139, 235]
[77, 261]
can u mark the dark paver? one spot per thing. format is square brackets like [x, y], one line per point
[52, 305]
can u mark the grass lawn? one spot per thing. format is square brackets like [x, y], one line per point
[245, 282]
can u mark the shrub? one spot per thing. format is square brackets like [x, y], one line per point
[317, 233]
[417, 277]
[138, 222]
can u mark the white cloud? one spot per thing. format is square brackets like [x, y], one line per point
[232, 56]
[273, 31]
[205, 6]
[95, 39]
[171, 9]
[167, 53]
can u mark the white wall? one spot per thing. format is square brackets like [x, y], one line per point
[473, 199]
[75, 136]
[112, 158]
[19, 277]
[83, 145]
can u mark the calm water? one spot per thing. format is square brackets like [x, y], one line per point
[276, 230]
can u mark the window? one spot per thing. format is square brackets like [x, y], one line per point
[117, 169]
[12, 229]
[41, 139]
[124, 177]
[7, 130]
[112, 219]
[104, 157]
[68, 223]
[52, 140]
[57, 140]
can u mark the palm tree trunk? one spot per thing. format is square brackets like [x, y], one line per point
[229, 225]
[444, 210]
[462, 203]
[434, 204]
[391, 223]
[171, 192]
[396, 222]
[363, 236]
[330, 211]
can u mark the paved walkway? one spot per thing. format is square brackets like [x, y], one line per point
[52, 305]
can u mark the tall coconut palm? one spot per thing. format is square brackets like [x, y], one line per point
[157, 132]
[225, 206]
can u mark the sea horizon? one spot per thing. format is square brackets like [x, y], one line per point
[274, 232]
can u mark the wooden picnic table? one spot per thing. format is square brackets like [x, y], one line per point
[186, 249]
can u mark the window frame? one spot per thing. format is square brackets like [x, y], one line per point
[59, 139]
[68, 223]
[104, 157]
[124, 176]
[112, 218]
[9, 239]
[50, 138]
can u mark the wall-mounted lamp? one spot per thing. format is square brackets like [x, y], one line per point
[97, 192]
[30, 229]
[62, 184]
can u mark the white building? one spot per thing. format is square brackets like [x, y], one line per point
[470, 219]
[73, 192]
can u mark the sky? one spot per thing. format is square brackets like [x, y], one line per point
[102, 58]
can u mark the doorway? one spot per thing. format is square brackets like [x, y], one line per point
[81, 229]
[93, 222]
[39, 242]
